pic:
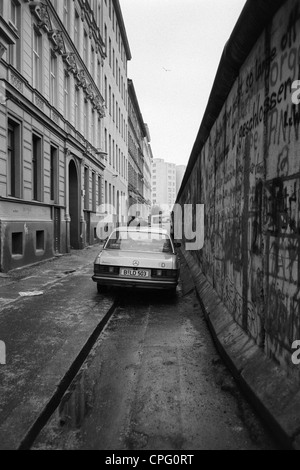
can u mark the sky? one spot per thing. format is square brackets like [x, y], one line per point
[176, 46]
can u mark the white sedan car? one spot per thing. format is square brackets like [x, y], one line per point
[137, 257]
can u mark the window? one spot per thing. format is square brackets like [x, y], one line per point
[54, 174]
[93, 128]
[14, 159]
[92, 62]
[66, 13]
[113, 148]
[93, 191]
[105, 140]
[86, 119]
[53, 82]
[77, 30]
[99, 132]
[11, 162]
[14, 13]
[85, 47]
[109, 149]
[99, 191]
[17, 243]
[86, 188]
[37, 60]
[109, 99]
[77, 109]
[99, 74]
[36, 168]
[109, 52]
[66, 95]
[14, 53]
[40, 240]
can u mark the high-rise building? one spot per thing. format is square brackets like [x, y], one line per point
[163, 184]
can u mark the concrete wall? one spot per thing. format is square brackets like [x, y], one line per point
[248, 176]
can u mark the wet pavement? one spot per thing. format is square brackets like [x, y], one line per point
[151, 379]
[154, 381]
[34, 279]
[45, 336]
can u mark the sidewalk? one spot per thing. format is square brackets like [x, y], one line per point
[50, 315]
[275, 395]
[38, 276]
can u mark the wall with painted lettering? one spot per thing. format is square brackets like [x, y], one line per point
[248, 176]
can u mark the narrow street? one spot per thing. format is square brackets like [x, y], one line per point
[154, 381]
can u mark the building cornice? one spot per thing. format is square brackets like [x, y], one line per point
[118, 11]
[134, 100]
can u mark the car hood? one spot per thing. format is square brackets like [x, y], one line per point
[146, 260]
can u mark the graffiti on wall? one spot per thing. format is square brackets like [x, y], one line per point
[249, 181]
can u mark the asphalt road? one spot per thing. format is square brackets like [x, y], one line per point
[154, 381]
[44, 335]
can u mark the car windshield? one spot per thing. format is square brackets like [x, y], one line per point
[139, 241]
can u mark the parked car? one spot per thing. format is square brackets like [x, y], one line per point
[137, 257]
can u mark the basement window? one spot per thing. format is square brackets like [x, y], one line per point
[40, 240]
[17, 243]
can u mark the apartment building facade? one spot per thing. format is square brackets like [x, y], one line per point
[115, 123]
[60, 125]
[147, 172]
[139, 159]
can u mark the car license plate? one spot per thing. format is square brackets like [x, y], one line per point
[134, 272]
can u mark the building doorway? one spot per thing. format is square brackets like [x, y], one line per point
[56, 217]
[74, 206]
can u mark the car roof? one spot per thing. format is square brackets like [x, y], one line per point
[141, 229]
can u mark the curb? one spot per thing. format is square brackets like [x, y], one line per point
[48, 260]
[64, 383]
[273, 394]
